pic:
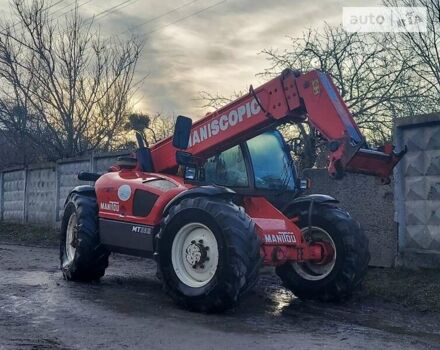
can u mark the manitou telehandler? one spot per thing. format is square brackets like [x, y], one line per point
[222, 197]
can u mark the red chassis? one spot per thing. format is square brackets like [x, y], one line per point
[281, 238]
[291, 97]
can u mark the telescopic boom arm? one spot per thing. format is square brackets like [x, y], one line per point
[291, 97]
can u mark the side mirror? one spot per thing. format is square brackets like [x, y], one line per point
[182, 132]
[192, 169]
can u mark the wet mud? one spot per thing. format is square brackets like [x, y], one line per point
[128, 310]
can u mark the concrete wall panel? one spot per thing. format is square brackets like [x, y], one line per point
[102, 164]
[369, 203]
[67, 180]
[13, 195]
[418, 191]
[40, 196]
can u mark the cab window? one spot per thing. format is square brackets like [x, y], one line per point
[273, 169]
[227, 168]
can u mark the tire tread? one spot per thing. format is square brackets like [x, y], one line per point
[241, 244]
[91, 257]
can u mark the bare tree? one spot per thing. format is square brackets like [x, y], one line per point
[215, 101]
[71, 86]
[422, 49]
[160, 127]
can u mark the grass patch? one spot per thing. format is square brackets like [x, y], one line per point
[418, 289]
[28, 234]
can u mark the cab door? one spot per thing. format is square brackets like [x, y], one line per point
[228, 169]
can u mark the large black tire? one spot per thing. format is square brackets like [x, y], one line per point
[90, 259]
[238, 253]
[352, 256]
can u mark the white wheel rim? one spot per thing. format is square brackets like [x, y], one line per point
[194, 255]
[310, 270]
[71, 238]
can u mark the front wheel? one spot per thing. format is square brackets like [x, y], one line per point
[337, 277]
[209, 254]
[82, 256]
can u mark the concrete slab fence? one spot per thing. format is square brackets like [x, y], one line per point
[36, 194]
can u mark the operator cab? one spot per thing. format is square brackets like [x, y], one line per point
[261, 163]
[260, 166]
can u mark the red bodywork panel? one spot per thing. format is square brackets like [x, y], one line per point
[281, 238]
[113, 208]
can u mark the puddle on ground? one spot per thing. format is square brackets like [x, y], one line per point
[25, 277]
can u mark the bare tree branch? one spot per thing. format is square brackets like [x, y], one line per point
[73, 87]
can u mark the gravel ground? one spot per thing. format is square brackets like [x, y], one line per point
[128, 310]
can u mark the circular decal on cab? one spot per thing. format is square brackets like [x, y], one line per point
[124, 192]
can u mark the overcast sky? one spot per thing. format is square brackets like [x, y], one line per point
[210, 45]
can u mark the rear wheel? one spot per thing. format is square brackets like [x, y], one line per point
[338, 276]
[315, 271]
[209, 254]
[82, 256]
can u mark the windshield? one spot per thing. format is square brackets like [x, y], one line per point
[273, 168]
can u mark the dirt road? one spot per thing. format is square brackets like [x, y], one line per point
[127, 310]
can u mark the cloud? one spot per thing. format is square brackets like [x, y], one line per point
[189, 49]
[217, 51]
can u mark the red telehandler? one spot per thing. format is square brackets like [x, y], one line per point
[221, 197]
